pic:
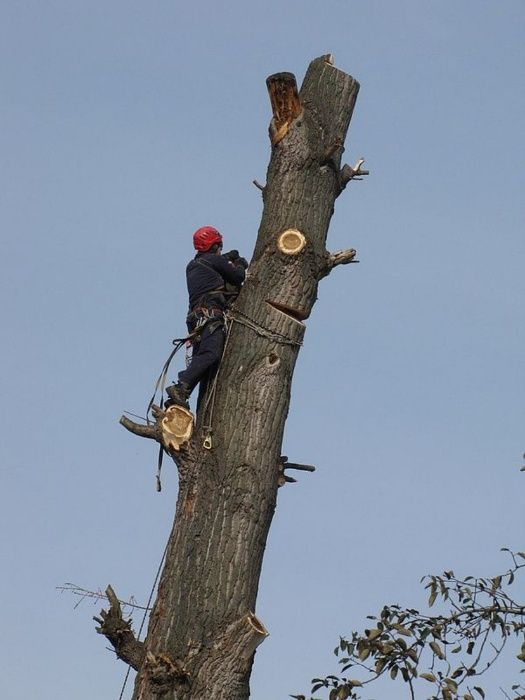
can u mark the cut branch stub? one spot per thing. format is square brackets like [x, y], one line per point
[291, 241]
[230, 654]
[286, 105]
[177, 427]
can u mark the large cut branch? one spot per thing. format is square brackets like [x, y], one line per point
[230, 658]
[119, 633]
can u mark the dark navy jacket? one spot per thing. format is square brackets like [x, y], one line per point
[206, 276]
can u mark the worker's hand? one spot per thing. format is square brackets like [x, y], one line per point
[231, 255]
[241, 262]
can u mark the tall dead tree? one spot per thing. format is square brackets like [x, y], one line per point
[203, 630]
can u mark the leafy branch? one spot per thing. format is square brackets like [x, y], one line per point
[449, 650]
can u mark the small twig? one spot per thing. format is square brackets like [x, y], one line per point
[83, 593]
[136, 416]
[258, 185]
[410, 685]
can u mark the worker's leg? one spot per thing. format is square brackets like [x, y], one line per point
[206, 356]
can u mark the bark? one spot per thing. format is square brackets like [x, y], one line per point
[203, 632]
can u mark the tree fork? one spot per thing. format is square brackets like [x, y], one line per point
[227, 495]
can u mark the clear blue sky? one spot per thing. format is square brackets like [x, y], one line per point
[126, 125]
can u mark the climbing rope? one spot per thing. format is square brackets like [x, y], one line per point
[160, 384]
[161, 381]
[148, 608]
[230, 317]
[244, 320]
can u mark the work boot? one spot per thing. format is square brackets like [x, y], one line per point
[178, 395]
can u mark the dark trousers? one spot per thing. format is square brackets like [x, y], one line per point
[207, 352]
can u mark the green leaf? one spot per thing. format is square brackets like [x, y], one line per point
[479, 690]
[393, 672]
[355, 683]
[364, 654]
[437, 650]
[432, 598]
[380, 665]
[428, 677]
[496, 583]
[401, 642]
[451, 684]
[374, 633]
[412, 654]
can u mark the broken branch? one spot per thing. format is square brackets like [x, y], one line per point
[147, 431]
[342, 257]
[119, 633]
[352, 173]
[300, 467]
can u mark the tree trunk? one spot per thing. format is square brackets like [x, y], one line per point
[203, 631]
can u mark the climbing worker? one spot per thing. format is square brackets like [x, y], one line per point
[208, 275]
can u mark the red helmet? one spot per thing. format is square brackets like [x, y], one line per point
[205, 237]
